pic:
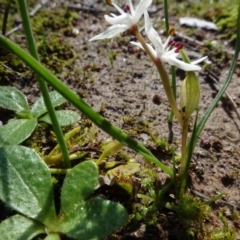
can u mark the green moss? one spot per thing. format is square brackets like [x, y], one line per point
[13, 62]
[54, 20]
[144, 207]
[226, 232]
[192, 214]
[148, 175]
[191, 209]
[55, 52]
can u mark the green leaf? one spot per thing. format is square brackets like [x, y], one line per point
[126, 169]
[26, 183]
[94, 219]
[39, 108]
[65, 117]
[81, 105]
[19, 227]
[53, 236]
[12, 99]
[189, 94]
[110, 148]
[17, 130]
[79, 183]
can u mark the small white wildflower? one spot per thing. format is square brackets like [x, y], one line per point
[128, 17]
[167, 52]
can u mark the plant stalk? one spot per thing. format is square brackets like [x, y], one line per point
[184, 146]
[43, 86]
[72, 97]
[163, 74]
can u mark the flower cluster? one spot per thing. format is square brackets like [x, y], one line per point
[167, 52]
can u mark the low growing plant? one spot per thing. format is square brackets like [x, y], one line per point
[20, 128]
[26, 184]
[26, 187]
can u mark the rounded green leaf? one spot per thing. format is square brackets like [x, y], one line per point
[12, 99]
[17, 130]
[94, 219]
[26, 184]
[39, 107]
[78, 184]
[53, 236]
[20, 228]
[65, 117]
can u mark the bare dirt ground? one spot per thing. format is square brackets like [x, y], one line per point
[119, 80]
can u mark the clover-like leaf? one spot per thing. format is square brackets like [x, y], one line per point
[78, 184]
[65, 117]
[52, 236]
[93, 219]
[20, 228]
[26, 184]
[39, 107]
[13, 99]
[17, 130]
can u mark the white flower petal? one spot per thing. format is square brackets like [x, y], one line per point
[199, 60]
[137, 44]
[121, 19]
[111, 32]
[154, 53]
[180, 64]
[165, 45]
[165, 52]
[142, 6]
[148, 24]
[124, 21]
[118, 8]
[152, 35]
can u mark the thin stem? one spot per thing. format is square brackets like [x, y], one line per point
[163, 74]
[80, 104]
[166, 15]
[66, 138]
[189, 150]
[171, 115]
[174, 90]
[167, 87]
[138, 35]
[184, 146]
[5, 17]
[43, 86]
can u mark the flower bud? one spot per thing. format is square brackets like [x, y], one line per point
[189, 94]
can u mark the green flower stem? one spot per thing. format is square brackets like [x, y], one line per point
[58, 158]
[171, 115]
[184, 174]
[5, 16]
[80, 104]
[166, 15]
[166, 84]
[59, 171]
[174, 90]
[66, 138]
[43, 86]
[163, 74]
[184, 146]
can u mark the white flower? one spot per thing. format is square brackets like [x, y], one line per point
[167, 52]
[127, 18]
